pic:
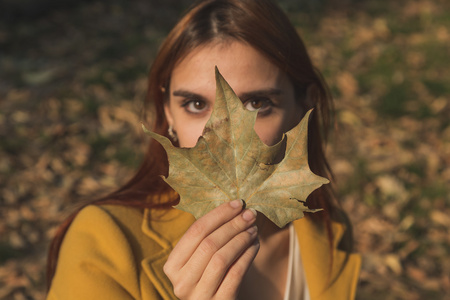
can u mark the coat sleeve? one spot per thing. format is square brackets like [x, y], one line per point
[95, 261]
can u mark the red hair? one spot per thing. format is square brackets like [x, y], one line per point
[260, 24]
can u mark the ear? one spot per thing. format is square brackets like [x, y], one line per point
[168, 113]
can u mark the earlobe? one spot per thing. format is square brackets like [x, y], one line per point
[168, 113]
[172, 134]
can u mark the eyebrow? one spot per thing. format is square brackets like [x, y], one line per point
[243, 96]
[261, 93]
[187, 94]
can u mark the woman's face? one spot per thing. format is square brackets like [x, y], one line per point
[255, 80]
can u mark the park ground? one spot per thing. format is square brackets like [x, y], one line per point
[72, 81]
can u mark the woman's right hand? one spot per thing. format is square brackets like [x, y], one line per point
[212, 257]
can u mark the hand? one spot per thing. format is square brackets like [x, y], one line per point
[212, 257]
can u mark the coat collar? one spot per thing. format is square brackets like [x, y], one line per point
[330, 273]
[165, 227]
[328, 276]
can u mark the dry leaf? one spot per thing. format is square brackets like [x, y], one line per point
[230, 162]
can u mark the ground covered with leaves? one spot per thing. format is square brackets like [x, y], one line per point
[72, 81]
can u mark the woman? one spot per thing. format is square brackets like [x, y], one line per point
[133, 245]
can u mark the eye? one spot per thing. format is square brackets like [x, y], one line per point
[195, 106]
[263, 104]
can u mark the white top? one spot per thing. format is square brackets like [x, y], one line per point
[296, 287]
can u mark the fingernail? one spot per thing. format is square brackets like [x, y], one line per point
[236, 203]
[249, 214]
[252, 230]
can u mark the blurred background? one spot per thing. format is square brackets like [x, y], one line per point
[72, 81]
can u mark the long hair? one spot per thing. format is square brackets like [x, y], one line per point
[260, 24]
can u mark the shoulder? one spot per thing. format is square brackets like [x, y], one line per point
[96, 258]
[97, 218]
[118, 225]
[102, 231]
[108, 223]
[113, 213]
[108, 251]
[142, 230]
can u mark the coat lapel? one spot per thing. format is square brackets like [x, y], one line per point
[328, 276]
[165, 228]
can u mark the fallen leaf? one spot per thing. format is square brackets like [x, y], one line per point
[230, 162]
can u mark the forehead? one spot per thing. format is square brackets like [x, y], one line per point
[240, 64]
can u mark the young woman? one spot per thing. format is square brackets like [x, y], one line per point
[133, 245]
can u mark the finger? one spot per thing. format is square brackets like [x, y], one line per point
[219, 266]
[229, 288]
[198, 231]
[218, 239]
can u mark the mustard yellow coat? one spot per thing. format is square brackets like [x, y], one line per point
[115, 252]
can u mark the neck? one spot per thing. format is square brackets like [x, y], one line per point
[270, 265]
[267, 228]
[274, 241]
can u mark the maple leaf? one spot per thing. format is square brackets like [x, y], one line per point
[230, 162]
